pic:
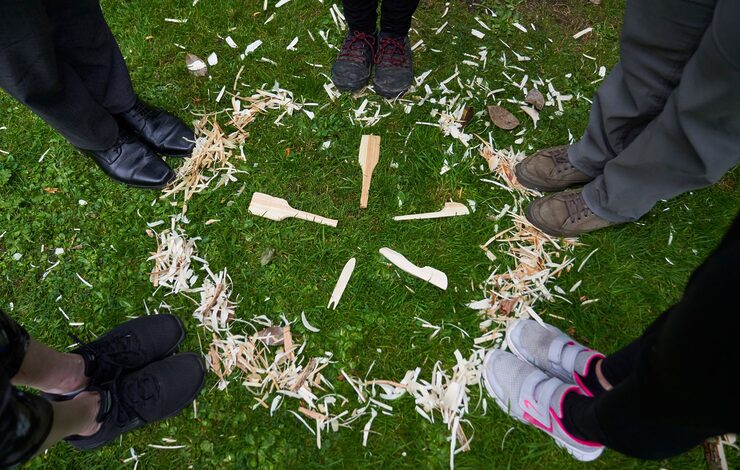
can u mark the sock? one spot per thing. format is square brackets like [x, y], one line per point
[590, 381]
[575, 410]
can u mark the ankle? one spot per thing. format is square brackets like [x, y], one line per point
[71, 378]
[90, 408]
[601, 377]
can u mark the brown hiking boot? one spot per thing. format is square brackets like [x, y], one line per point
[564, 214]
[549, 170]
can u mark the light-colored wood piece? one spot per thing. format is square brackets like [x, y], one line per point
[369, 156]
[427, 273]
[342, 282]
[275, 208]
[451, 209]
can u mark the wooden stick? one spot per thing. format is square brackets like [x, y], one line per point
[714, 454]
[451, 209]
[275, 208]
[368, 158]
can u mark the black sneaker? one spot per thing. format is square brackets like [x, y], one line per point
[393, 65]
[129, 346]
[351, 69]
[158, 391]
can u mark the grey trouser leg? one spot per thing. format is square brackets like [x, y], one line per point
[647, 136]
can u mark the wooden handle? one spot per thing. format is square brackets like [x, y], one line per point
[315, 218]
[366, 179]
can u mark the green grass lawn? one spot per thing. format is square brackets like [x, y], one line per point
[105, 241]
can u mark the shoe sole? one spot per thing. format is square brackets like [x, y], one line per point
[575, 453]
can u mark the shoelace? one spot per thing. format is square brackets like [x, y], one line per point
[577, 208]
[111, 354]
[391, 53]
[353, 48]
[133, 395]
[561, 162]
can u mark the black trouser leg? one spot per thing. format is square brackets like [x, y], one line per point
[395, 16]
[684, 385]
[34, 73]
[83, 40]
[25, 420]
[361, 15]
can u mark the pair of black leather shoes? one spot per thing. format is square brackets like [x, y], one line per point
[144, 133]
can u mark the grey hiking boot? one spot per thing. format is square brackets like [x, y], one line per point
[351, 69]
[393, 65]
[565, 214]
[550, 170]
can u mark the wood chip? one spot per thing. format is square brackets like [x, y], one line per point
[195, 65]
[502, 118]
[535, 98]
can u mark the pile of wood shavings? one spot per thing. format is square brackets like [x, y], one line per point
[172, 260]
[538, 258]
[212, 161]
[216, 309]
[212, 164]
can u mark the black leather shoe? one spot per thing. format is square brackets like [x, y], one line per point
[132, 162]
[165, 133]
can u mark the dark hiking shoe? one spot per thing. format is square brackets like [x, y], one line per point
[394, 70]
[129, 346]
[158, 391]
[564, 214]
[351, 69]
[549, 170]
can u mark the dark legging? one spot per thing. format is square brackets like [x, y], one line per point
[395, 15]
[25, 420]
[677, 384]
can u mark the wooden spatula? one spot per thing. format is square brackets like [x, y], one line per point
[427, 273]
[451, 209]
[369, 156]
[275, 208]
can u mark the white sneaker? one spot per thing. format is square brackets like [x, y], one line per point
[551, 350]
[530, 396]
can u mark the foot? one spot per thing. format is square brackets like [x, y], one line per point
[530, 396]
[132, 162]
[394, 69]
[158, 391]
[129, 346]
[351, 69]
[550, 170]
[162, 131]
[565, 214]
[551, 351]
